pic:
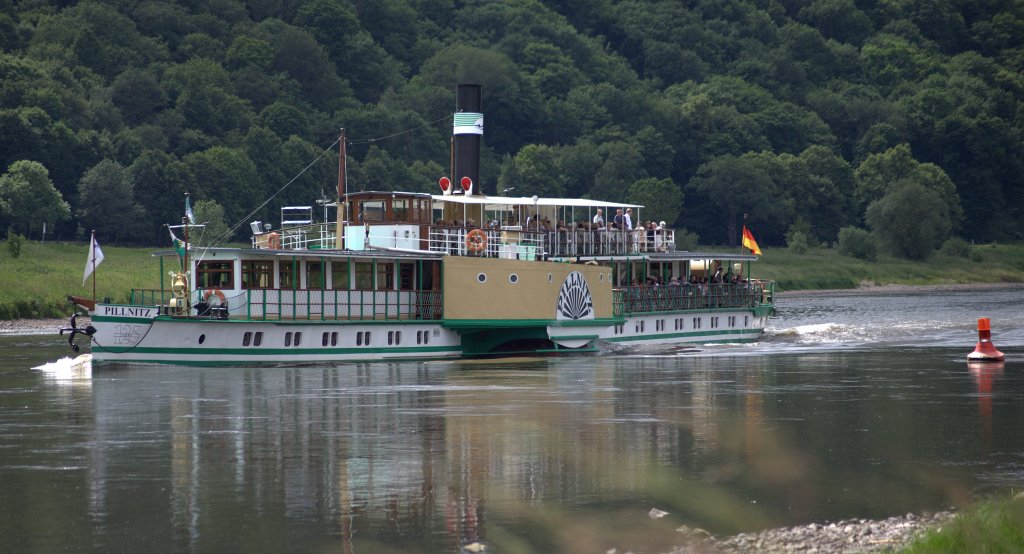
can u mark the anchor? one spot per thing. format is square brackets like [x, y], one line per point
[75, 330]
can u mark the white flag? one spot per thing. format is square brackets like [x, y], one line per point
[95, 257]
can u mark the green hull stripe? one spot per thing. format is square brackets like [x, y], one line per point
[509, 323]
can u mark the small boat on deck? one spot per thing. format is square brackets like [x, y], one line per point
[403, 275]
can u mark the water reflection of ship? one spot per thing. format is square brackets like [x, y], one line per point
[383, 452]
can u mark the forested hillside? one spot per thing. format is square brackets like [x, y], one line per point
[902, 117]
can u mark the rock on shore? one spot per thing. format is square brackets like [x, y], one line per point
[846, 537]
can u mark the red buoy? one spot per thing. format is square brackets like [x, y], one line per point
[985, 351]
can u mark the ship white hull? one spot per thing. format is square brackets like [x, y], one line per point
[212, 342]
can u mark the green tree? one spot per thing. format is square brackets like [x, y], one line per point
[911, 220]
[28, 199]
[661, 198]
[533, 171]
[227, 176]
[159, 181]
[211, 214]
[106, 203]
[732, 186]
[880, 172]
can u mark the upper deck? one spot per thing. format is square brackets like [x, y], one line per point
[495, 227]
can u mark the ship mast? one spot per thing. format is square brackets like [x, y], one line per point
[342, 192]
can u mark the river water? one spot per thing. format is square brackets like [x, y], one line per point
[854, 405]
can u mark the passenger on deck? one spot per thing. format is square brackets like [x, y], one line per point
[599, 219]
[628, 219]
[619, 221]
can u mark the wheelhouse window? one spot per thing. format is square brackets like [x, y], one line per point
[400, 210]
[214, 275]
[370, 211]
[339, 275]
[315, 275]
[257, 275]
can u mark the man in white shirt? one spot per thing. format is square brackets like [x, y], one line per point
[599, 219]
[629, 219]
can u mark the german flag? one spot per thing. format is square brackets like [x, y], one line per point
[749, 242]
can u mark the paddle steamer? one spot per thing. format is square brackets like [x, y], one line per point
[400, 275]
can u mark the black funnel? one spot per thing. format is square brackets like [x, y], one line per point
[467, 132]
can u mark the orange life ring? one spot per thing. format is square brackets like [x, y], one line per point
[217, 293]
[273, 241]
[476, 241]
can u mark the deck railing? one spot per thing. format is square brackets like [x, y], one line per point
[314, 304]
[513, 242]
[648, 299]
[502, 242]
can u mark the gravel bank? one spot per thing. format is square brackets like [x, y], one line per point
[842, 537]
[36, 326]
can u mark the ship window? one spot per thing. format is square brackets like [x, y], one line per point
[400, 210]
[247, 338]
[334, 338]
[391, 337]
[364, 276]
[426, 337]
[315, 278]
[550, 277]
[286, 275]
[323, 341]
[371, 210]
[298, 338]
[481, 278]
[339, 275]
[257, 275]
[258, 338]
[288, 338]
[746, 321]
[359, 338]
[385, 276]
[214, 275]
[367, 339]
[202, 339]
[398, 337]
[513, 278]
[406, 276]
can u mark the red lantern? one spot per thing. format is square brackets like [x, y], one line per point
[446, 184]
[466, 183]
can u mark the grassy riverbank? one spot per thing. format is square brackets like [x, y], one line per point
[821, 268]
[34, 284]
[993, 525]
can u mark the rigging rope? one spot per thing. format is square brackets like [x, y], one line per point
[231, 230]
